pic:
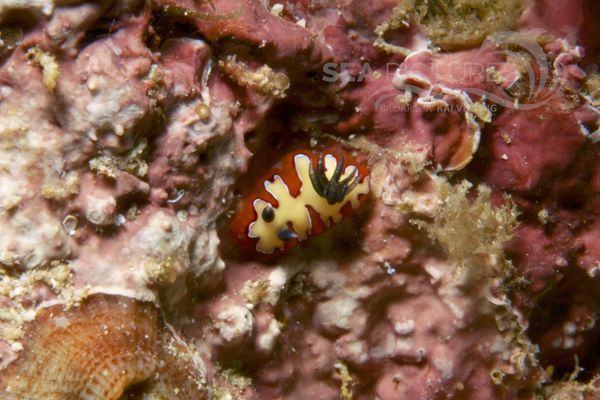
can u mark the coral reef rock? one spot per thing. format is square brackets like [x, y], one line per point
[141, 142]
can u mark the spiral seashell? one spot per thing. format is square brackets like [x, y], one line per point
[108, 348]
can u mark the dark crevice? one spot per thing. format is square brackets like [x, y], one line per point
[564, 325]
[164, 27]
[137, 391]
[104, 27]
[14, 27]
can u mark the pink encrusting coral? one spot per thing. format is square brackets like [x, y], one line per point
[130, 130]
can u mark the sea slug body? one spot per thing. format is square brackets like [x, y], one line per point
[304, 194]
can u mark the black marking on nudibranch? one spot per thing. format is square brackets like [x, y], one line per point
[332, 189]
[287, 235]
[268, 215]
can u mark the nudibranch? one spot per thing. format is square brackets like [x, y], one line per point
[302, 195]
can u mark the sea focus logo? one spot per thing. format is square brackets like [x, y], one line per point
[512, 69]
[530, 86]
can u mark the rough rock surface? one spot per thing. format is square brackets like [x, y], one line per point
[128, 128]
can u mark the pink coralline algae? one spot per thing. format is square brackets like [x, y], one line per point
[135, 136]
